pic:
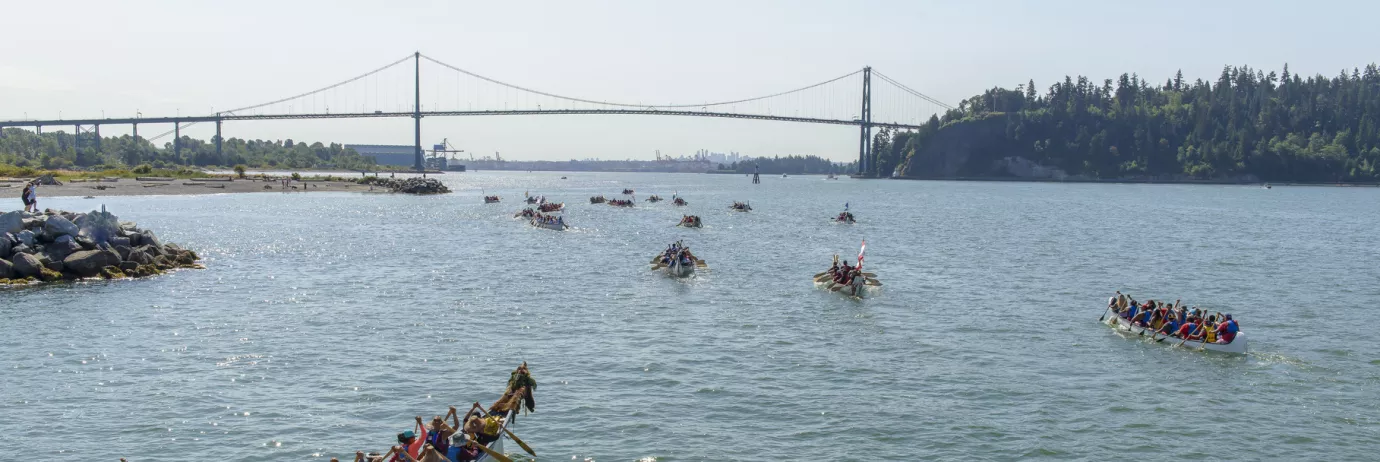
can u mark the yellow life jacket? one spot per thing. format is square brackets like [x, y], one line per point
[1211, 333]
[491, 425]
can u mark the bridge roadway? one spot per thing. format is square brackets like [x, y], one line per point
[365, 115]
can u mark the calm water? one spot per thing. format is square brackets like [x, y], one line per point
[324, 322]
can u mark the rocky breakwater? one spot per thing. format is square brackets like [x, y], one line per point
[407, 185]
[58, 245]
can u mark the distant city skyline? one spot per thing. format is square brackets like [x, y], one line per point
[93, 59]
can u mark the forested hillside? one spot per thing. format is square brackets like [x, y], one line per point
[1246, 125]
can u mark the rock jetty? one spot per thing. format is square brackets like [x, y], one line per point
[412, 185]
[57, 245]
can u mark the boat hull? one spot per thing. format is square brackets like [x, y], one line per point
[680, 270]
[1237, 346]
[857, 290]
[550, 226]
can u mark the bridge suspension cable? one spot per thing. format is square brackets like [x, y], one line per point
[608, 103]
[836, 100]
[294, 97]
[912, 91]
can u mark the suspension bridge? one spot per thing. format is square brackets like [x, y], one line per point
[851, 99]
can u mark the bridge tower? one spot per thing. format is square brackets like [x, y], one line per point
[417, 108]
[866, 119]
[218, 121]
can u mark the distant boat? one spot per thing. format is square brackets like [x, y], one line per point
[783, 175]
[831, 177]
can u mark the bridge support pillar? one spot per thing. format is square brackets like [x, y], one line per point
[76, 138]
[38, 129]
[98, 140]
[218, 139]
[417, 109]
[866, 118]
[136, 133]
[177, 140]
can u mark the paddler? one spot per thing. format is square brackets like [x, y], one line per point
[1227, 330]
[438, 435]
[462, 448]
[410, 443]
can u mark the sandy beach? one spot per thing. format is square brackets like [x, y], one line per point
[134, 187]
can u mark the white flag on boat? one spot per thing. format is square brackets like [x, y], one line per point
[860, 254]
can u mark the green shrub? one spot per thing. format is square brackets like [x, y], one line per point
[239, 170]
[143, 169]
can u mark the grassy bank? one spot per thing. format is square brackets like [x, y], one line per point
[11, 171]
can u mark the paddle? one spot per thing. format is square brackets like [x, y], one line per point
[871, 275]
[493, 453]
[874, 282]
[525, 447]
[1153, 333]
[821, 274]
[701, 263]
[1187, 335]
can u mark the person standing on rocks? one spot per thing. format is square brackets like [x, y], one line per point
[33, 197]
[24, 195]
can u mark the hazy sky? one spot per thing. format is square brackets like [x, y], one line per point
[79, 58]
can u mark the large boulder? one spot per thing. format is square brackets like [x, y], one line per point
[54, 266]
[26, 265]
[58, 251]
[140, 257]
[57, 225]
[6, 269]
[26, 237]
[99, 226]
[88, 263]
[5, 246]
[150, 239]
[11, 222]
[124, 251]
[119, 241]
[151, 250]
